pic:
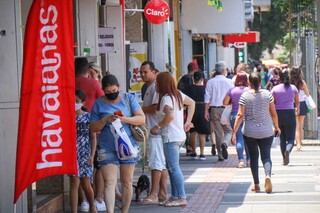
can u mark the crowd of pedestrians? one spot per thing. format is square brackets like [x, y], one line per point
[261, 105]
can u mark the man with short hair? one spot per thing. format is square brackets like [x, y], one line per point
[157, 163]
[216, 89]
[91, 87]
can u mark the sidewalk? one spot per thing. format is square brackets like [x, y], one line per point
[213, 186]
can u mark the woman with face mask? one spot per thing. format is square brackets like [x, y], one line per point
[102, 115]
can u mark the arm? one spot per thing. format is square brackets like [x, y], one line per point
[93, 139]
[96, 126]
[305, 88]
[297, 103]
[274, 116]
[149, 109]
[226, 100]
[238, 121]
[191, 107]
[166, 120]
[138, 118]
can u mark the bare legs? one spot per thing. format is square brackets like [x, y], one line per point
[159, 180]
[193, 138]
[86, 185]
[109, 173]
[299, 131]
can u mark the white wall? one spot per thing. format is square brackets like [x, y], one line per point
[10, 67]
[226, 54]
[199, 17]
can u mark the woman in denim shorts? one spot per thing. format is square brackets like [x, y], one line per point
[102, 115]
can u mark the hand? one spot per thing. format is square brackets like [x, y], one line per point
[90, 161]
[233, 139]
[207, 116]
[277, 131]
[154, 130]
[110, 118]
[187, 126]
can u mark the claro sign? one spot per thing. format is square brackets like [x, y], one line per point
[156, 11]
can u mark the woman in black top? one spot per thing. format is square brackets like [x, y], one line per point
[201, 125]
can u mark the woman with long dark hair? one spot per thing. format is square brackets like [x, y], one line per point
[256, 107]
[296, 78]
[172, 130]
[285, 96]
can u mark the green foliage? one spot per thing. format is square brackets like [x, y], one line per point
[273, 25]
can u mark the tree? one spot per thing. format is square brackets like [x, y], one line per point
[273, 25]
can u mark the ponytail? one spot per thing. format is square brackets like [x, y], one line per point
[285, 78]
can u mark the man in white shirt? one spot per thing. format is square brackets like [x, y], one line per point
[157, 164]
[216, 89]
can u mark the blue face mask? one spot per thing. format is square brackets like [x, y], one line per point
[112, 96]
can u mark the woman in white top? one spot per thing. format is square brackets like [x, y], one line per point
[172, 130]
[296, 79]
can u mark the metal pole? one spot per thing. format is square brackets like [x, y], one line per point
[290, 29]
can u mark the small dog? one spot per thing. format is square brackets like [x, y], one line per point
[143, 184]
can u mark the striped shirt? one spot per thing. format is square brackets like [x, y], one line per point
[257, 119]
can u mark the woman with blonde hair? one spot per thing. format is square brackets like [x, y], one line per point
[172, 130]
[296, 79]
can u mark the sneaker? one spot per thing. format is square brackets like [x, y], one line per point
[220, 158]
[188, 152]
[224, 151]
[213, 150]
[101, 206]
[193, 155]
[286, 158]
[84, 206]
[202, 157]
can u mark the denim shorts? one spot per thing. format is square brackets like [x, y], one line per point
[106, 157]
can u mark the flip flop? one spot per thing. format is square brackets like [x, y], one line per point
[148, 201]
[175, 203]
[163, 202]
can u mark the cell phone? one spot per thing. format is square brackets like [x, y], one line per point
[119, 113]
[276, 134]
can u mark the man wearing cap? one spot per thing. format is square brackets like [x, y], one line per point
[216, 90]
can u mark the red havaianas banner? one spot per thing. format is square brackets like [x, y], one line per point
[47, 132]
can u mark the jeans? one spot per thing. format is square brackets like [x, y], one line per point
[171, 152]
[264, 145]
[240, 145]
[287, 124]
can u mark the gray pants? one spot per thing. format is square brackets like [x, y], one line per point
[223, 132]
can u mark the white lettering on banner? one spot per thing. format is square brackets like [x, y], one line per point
[51, 139]
[150, 11]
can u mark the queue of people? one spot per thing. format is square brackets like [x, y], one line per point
[175, 112]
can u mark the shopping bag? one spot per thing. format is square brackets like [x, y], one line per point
[122, 142]
[276, 141]
[310, 102]
[225, 116]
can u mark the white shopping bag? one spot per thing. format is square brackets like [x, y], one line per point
[276, 142]
[122, 142]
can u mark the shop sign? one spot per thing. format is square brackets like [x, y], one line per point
[106, 39]
[156, 11]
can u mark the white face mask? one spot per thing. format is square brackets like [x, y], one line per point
[78, 106]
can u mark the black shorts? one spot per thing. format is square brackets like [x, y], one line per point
[303, 108]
